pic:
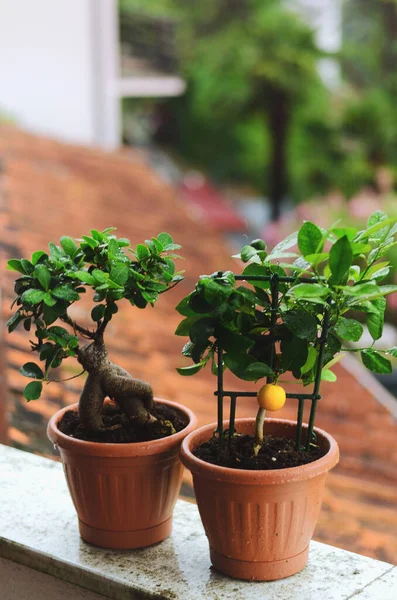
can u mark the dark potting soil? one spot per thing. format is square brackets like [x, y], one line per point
[276, 453]
[118, 429]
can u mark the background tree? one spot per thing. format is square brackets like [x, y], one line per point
[368, 59]
[248, 64]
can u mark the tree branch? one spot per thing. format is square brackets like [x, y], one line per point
[84, 332]
[67, 379]
[101, 328]
[170, 287]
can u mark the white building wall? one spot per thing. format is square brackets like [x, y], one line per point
[47, 66]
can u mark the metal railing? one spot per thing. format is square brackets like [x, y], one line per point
[314, 396]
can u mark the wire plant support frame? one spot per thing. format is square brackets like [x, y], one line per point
[314, 396]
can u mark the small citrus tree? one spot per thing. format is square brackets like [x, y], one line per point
[50, 283]
[295, 316]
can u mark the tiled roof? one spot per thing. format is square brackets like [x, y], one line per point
[49, 189]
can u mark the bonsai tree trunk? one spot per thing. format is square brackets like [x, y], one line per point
[134, 397]
[278, 126]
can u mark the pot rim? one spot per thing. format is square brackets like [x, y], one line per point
[127, 449]
[261, 477]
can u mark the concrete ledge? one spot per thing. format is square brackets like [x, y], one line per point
[38, 530]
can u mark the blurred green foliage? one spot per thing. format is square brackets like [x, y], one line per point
[244, 59]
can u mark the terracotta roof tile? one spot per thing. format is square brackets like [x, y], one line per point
[48, 189]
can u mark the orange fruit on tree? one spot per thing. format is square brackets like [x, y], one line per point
[271, 396]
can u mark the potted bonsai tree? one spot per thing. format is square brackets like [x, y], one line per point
[259, 482]
[119, 446]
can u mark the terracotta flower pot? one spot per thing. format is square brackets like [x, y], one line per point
[259, 523]
[124, 494]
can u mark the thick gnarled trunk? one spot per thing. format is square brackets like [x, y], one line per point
[133, 396]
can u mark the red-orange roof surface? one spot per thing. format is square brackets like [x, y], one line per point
[48, 189]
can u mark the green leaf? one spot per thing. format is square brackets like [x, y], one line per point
[98, 312]
[142, 252]
[290, 241]
[98, 236]
[83, 276]
[213, 291]
[43, 275]
[376, 227]
[15, 265]
[256, 371]
[73, 341]
[119, 274]
[199, 304]
[375, 362]
[192, 370]
[14, 321]
[278, 255]
[36, 256]
[316, 259]
[340, 260]
[187, 349]
[349, 232]
[56, 330]
[49, 300]
[375, 320]
[361, 289]
[27, 266]
[258, 244]
[393, 351]
[232, 341]
[256, 270]
[31, 370]
[100, 276]
[123, 242]
[50, 315]
[332, 347]
[379, 270]
[201, 330]
[33, 390]
[301, 323]
[309, 239]
[308, 290]
[113, 247]
[310, 361]
[32, 296]
[183, 307]
[55, 252]
[65, 293]
[327, 375]
[238, 363]
[170, 247]
[359, 248]
[165, 239]
[387, 289]
[69, 245]
[294, 354]
[250, 297]
[354, 273]
[159, 246]
[349, 329]
[90, 241]
[333, 361]
[247, 252]
[46, 350]
[185, 325]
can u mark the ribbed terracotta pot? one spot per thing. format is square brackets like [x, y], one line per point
[124, 494]
[259, 523]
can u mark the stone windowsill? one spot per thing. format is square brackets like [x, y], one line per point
[38, 530]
